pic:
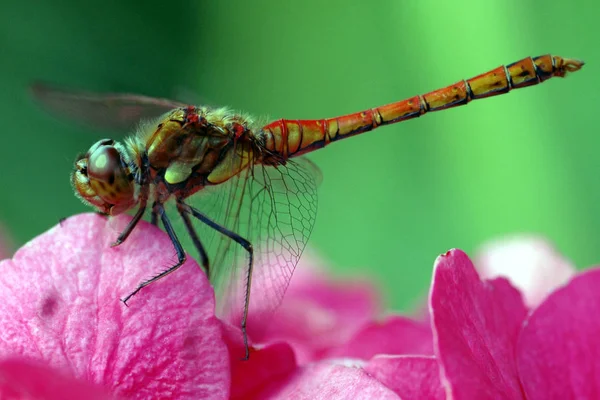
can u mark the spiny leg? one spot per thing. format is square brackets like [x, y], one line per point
[247, 246]
[178, 248]
[129, 228]
[197, 243]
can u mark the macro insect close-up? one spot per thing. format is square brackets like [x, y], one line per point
[227, 248]
[266, 199]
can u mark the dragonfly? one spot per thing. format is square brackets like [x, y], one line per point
[245, 193]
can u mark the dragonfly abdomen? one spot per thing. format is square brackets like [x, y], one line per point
[291, 138]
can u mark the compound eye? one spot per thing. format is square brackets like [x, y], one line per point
[104, 163]
[99, 144]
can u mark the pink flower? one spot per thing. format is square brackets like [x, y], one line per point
[342, 348]
[60, 310]
[321, 317]
[489, 345]
[64, 334]
[486, 342]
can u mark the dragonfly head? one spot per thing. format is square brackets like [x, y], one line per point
[102, 178]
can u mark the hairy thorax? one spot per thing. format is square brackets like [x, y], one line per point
[191, 148]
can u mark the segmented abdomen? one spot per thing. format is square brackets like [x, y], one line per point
[291, 138]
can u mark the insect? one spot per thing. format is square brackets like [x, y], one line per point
[256, 198]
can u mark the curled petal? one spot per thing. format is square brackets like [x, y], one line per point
[475, 325]
[558, 350]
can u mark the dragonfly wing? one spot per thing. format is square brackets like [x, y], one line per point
[106, 111]
[275, 209]
[311, 169]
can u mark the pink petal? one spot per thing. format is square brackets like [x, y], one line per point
[558, 349]
[20, 379]
[59, 303]
[267, 364]
[530, 263]
[319, 312]
[476, 324]
[394, 336]
[410, 377]
[329, 380]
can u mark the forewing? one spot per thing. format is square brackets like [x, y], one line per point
[106, 111]
[275, 209]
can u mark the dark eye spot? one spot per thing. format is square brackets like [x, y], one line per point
[111, 179]
[83, 171]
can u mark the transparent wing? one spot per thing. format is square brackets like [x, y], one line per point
[275, 209]
[107, 111]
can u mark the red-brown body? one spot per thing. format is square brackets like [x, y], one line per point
[296, 137]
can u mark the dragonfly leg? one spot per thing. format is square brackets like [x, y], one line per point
[129, 228]
[178, 248]
[136, 218]
[197, 243]
[247, 246]
[154, 218]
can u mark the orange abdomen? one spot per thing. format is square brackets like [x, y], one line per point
[291, 138]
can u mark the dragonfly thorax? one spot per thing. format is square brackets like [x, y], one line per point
[193, 147]
[102, 178]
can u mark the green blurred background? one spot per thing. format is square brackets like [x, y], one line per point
[391, 200]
